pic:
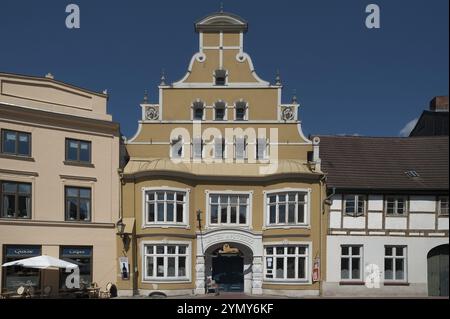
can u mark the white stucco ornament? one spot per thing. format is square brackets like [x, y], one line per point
[287, 113]
[152, 113]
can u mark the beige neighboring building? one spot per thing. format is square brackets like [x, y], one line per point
[256, 196]
[59, 182]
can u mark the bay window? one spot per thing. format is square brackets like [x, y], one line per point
[166, 262]
[165, 207]
[286, 263]
[229, 209]
[287, 208]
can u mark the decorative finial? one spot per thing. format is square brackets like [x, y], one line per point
[221, 7]
[278, 78]
[49, 76]
[105, 91]
[163, 78]
[145, 97]
[294, 97]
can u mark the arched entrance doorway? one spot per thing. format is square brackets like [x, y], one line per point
[437, 260]
[230, 265]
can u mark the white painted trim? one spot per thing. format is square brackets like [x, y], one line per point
[167, 243]
[307, 225]
[225, 118]
[284, 281]
[249, 220]
[231, 85]
[145, 225]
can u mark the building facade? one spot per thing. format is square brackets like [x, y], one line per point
[221, 184]
[387, 216]
[58, 181]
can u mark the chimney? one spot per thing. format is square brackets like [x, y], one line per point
[439, 104]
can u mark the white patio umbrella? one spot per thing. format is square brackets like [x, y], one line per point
[42, 262]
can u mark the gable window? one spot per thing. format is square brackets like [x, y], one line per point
[166, 262]
[351, 261]
[15, 200]
[443, 205]
[78, 151]
[16, 143]
[354, 205]
[287, 208]
[220, 111]
[220, 77]
[395, 263]
[165, 207]
[177, 148]
[241, 111]
[261, 149]
[229, 209]
[286, 263]
[78, 203]
[198, 111]
[241, 148]
[395, 205]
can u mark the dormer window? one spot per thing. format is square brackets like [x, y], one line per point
[220, 77]
[241, 111]
[198, 111]
[220, 111]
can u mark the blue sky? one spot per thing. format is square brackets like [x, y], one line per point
[349, 79]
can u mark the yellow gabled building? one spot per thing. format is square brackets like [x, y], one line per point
[221, 183]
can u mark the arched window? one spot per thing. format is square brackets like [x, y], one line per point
[220, 77]
[198, 109]
[220, 111]
[241, 111]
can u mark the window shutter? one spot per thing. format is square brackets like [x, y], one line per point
[218, 148]
[197, 148]
[262, 145]
[240, 148]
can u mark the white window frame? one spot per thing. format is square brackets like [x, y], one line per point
[440, 213]
[226, 78]
[307, 223]
[350, 256]
[245, 154]
[225, 117]
[246, 117]
[356, 198]
[247, 225]
[165, 243]
[395, 213]
[394, 257]
[294, 281]
[156, 224]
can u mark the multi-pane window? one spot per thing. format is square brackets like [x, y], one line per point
[16, 143]
[261, 149]
[229, 209]
[354, 205]
[395, 263]
[197, 148]
[286, 263]
[78, 151]
[395, 205]
[443, 205]
[287, 208]
[198, 111]
[241, 111]
[78, 203]
[164, 206]
[240, 148]
[166, 262]
[15, 200]
[351, 262]
[220, 108]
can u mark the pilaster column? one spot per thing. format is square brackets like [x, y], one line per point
[200, 275]
[257, 275]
